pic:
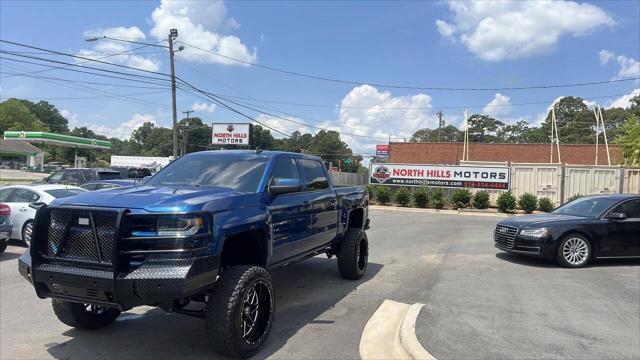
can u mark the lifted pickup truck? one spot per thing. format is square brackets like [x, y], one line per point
[204, 230]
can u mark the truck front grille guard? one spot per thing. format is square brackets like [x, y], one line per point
[91, 236]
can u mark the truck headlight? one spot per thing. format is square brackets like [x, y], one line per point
[534, 233]
[181, 225]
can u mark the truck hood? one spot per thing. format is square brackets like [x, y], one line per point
[540, 219]
[163, 199]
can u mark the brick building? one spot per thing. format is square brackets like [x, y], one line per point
[451, 153]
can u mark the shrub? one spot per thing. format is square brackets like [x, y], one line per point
[574, 197]
[528, 202]
[506, 202]
[371, 189]
[481, 200]
[421, 197]
[383, 194]
[545, 204]
[437, 198]
[461, 198]
[403, 196]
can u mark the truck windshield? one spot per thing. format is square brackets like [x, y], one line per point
[240, 173]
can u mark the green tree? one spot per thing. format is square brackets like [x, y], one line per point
[517, 133]
[139, 136]
[196, 133]
[630, 138]
[262, 138]
[49, 115]
[576, 123]
[483, 128]
[448, 133]
[16, 116]
[422, 135]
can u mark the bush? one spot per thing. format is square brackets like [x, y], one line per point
[506, 202]
[528, 202]
[383, 194]
[371, 189]
[437, 198]
[574, 197]
[461, 198]
[481, 200]
[545, 204]
[403, 196]
[421, 197]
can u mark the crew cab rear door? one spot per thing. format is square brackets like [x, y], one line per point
[323, 202]
[290, 215]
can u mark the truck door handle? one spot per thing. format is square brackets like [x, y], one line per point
[332, 202]
[306, 203]
[23, 209]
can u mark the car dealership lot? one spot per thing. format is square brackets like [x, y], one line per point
[480, 303]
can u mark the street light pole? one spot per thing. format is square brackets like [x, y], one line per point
[173, 33]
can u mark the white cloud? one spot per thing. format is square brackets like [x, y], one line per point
[606, 56]
[628, 67]
[106, 47]
[624, 101]
[122, 131]
[500, 105]
[200, 23]
[203, 107]
[72, 118]
[498, 30]
[284, 125]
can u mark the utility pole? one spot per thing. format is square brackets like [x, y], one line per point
[185, 132]
[440, 123]
[173, 33]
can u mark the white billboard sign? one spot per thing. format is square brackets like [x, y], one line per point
[231, 134]
[479, 177]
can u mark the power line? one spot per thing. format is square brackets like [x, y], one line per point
[85, 58]
[391, 86]
[85, 97]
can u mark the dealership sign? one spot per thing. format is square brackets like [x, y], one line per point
[382, 150]
[231, 134]
[479, 177]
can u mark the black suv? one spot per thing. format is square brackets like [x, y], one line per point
[79, 176]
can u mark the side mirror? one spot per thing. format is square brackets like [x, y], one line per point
[36, 205]
[617, 216]
[145, 179]
[281, 186]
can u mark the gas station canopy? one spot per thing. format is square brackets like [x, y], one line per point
[57, 139]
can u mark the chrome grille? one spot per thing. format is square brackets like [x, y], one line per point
[85, 235]
[504, 236]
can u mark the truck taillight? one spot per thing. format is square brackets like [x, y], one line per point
[5, 210]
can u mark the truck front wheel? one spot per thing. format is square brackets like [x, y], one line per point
[84, 316]
[353, 254]
[240, 311]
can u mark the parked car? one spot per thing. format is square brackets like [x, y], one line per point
[591, 227]
[5, 226]
[79, 176]
[132, 172]
[110, 184]
[52, 166]
[205, 230]
[19, 197]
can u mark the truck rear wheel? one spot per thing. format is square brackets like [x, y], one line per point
[84, 316]
[353, 254]
[240, 311]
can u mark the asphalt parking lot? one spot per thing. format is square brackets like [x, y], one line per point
[480, 303]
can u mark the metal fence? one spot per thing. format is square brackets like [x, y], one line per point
[349, 179]
[559, 182]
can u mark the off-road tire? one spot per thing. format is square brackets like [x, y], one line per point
[77, 316]
[3, 245]
[581, 243]
[353, 254]
[223, 322]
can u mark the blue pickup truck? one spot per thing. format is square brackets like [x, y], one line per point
[203, 232]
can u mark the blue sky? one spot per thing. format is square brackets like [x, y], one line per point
[424, 44]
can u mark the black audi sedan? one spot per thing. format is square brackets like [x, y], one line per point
[591, 227]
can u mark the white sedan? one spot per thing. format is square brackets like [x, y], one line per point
[18, 198]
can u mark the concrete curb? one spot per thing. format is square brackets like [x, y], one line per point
[390, 333]
[436, 211]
